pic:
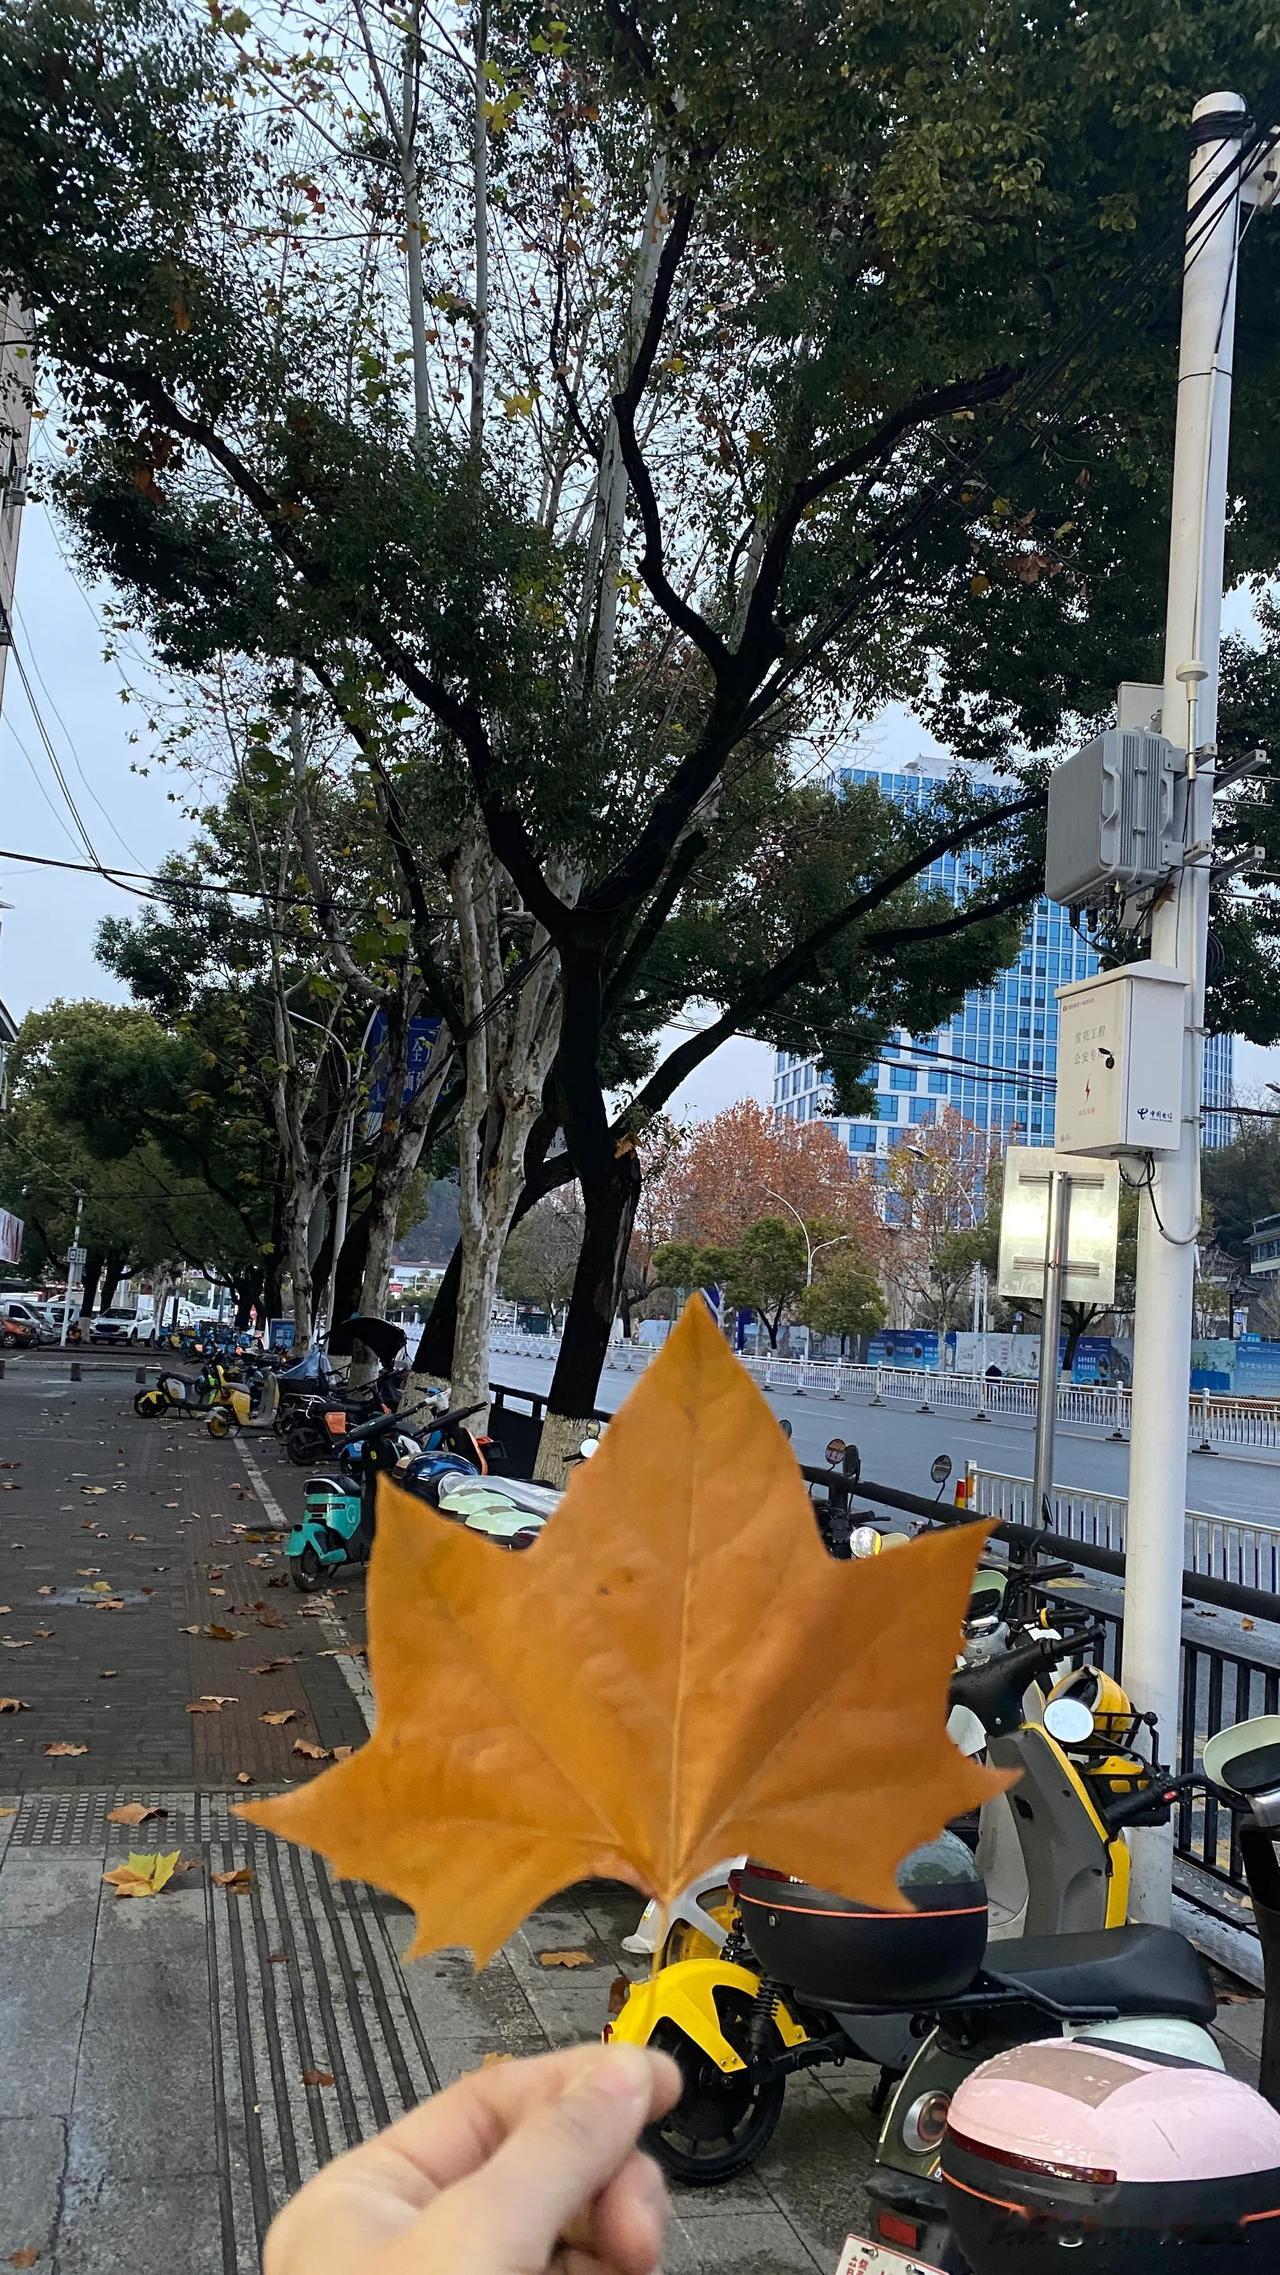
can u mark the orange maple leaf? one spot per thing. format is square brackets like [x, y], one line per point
[676, 1671]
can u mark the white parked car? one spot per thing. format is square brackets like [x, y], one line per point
[117, 1327]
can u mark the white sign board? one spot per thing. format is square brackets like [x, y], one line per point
[1092, 1226]
[76, 1260]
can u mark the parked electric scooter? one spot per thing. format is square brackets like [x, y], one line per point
[181, 1394]
[337, 1527]
[742, 2021]
[1118, 2154]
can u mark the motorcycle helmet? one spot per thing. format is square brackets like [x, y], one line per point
[1076, 2146]
[1113, 1716]
[425, 1473]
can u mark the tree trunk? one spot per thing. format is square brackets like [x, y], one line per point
[93, 1268]
[434, 1355]
[349, 1278]
[469, 1375]
[297, 1237]
[112, 1269]
[609, 1212]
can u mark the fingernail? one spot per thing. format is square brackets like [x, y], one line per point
[621, 2073]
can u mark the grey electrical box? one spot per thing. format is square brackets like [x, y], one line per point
[1112, 825]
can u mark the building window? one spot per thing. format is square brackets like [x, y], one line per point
[939, 1084]
[902, 1078]
[887, 1108]
[862, 1137]
[926, 1112]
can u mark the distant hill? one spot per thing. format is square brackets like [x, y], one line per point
[433, 1239]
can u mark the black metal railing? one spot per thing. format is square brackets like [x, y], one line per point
[1219, 1686]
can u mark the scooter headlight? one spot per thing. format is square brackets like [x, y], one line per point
[864, 1540]
[925, 2123]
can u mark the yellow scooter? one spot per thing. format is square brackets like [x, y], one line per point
[737, 2034]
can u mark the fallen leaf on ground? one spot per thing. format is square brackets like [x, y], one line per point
[135, 1536]
[212, 1702]
[8, 1812]
[61, 1746]
[565, 1959]
[217, 1591]
[279, 1716]
[310, 1752]
[45, 1591]
[279, 1580]
[317, 2077]
[15, 1706]
[143, 1875]
[27, 2257]
[243, 1777]
[271, 1619]
[108, 1674]
[490, 2061]
[5, 1608]
[24, 1645]
[273, 1666]
[1248, 1625]
[217, 1634]
[345, 1651]
[87, 1571]
[236, 1882]
[262, 1560]
[496, 1775]
[93, 1488]
[277, 1958]
[135, 1813]
[343, 1753]
[110, 1603]
[101, 1587]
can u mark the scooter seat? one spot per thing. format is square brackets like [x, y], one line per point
[1137, 1970]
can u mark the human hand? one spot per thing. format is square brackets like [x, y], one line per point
[528, 2168]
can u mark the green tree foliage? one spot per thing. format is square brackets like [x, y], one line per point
[835, 367]
[845, 1299]
[97, 1091]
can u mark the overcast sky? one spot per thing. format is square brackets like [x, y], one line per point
[134, 818]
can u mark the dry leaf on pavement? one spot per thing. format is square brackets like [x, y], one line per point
[311, 1752]
[234, 1882]
[108, 1674]
[210, 1704]
[682, 1704]
[8, 1812]
[273, 1666]
[217, 1634]
[27, 2257]
[63, 1747]
[565, 1959]
[244, 1777]
[317, 2077]
[279, 1716]
[143, 1875]
[93, 1488]
[24, 1645]
[135, 1813]
[15, 1706]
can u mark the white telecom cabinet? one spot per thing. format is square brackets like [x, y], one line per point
[1120, 1043]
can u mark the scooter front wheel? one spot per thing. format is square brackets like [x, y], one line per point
[149, 1403]
[306, 1571]
[219, 1423]
[722, 2121]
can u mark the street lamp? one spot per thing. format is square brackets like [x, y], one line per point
[812, 1248]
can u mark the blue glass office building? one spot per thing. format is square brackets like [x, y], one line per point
[994, 1060]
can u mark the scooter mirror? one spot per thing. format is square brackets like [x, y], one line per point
[785, 1427]
[1068, 1720]
[940, 1468]
[851, 1464]
[835, 1452]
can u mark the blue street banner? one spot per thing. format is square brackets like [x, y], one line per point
[422, 1035]
[281, 1334]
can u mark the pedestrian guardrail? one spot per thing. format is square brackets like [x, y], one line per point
[1240, 1549]
[1214, 1423]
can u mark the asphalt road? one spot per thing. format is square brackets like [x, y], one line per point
[898, 1444]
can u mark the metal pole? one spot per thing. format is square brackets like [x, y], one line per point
[1166, 1257]
[1055, 1266]
[66, 1301]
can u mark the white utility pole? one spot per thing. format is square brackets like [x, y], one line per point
[1167, 1258]
[72, 1253]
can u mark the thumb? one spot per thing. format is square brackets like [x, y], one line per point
[509, 2216]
